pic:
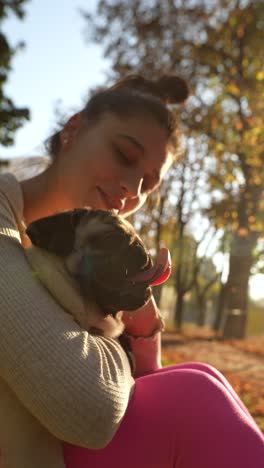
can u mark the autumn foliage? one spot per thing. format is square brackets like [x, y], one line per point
[218, 47]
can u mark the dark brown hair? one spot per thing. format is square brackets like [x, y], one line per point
[133, 96]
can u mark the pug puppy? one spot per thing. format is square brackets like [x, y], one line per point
[95, 265]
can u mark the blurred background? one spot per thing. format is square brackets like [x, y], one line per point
[210, 209]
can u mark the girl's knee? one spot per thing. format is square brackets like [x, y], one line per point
[204, 367]
[180, 383]
[199, 366]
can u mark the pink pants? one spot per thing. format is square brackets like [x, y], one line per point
[184, 416]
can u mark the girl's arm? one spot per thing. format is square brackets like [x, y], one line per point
[75, 384]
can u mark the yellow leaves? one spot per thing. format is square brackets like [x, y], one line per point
[253, 225]
[240, 31]
[220, 224]
[261, 205]
[230, 177]
[233, 89]
[239, 124]
[253, 140]
[235, 226]
[245, 62]
[253, 145]
[257, 227]
[214, 122]
[219, 146]
[243, 232]
[255, 180]
[260, 76]
[257, 131]
[255, 162]
[232, 21]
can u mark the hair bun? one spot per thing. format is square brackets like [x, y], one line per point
[172, 89]
[169, 88]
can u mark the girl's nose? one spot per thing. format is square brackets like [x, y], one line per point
[132, 186]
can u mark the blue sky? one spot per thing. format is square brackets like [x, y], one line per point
[57, 64]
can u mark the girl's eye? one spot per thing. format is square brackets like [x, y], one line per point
[122, 156]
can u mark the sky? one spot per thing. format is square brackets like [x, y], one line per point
[57, 64]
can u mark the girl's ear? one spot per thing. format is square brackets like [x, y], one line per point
[70, 130]
[56, 233]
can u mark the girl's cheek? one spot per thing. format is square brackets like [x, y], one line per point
[133, 205]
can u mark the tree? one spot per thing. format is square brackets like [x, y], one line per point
[218, 47]
[153, 223]
[204, 283]
[169, 222]
[188, 184]
[11, 117]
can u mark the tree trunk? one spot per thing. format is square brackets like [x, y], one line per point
[179, 309]
[201, 311]
[236, 291]
[220, 308]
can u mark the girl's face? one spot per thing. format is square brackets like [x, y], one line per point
[113, 164]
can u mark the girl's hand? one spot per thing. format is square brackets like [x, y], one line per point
[144, 321]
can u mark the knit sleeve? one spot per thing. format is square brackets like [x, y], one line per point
[77, 385]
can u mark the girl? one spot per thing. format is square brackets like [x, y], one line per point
[76, 387]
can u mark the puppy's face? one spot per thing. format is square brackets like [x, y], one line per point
[102, 251]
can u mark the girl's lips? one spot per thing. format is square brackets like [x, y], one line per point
[110, 202]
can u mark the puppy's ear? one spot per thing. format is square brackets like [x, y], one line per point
[56, 233]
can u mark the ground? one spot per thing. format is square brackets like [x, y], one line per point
[241, 361]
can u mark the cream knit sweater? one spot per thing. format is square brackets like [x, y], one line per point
[76, 385]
